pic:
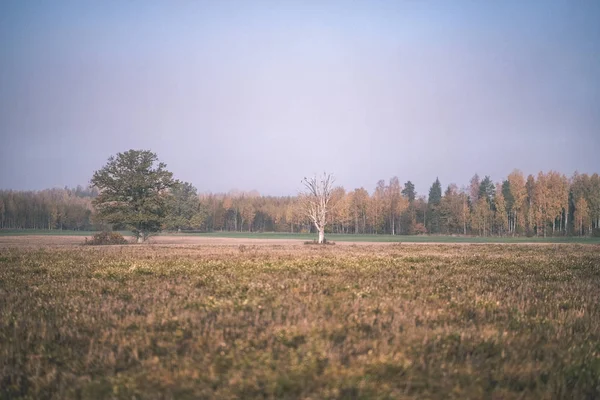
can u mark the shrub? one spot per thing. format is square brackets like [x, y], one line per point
[419, 229]
[530, 233]
[325, 242]
[106, 238]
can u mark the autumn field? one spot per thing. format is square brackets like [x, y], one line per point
[225, 321]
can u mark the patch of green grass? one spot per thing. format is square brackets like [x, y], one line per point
[300, 322]
[392, 238]
[331, 237]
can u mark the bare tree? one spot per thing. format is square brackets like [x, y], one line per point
[315, 200]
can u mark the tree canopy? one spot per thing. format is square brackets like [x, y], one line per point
[316, 197]
[434, 215]
[133, 189]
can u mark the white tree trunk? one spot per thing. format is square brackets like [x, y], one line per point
[316, 201]
[140, 238]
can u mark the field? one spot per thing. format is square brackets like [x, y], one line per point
[272, 319]
[333, 237]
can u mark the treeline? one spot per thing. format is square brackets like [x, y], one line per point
[547, 204]
[47, 209]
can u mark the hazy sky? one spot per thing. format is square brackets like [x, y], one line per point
[258, 94]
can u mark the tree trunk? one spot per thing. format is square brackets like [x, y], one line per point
[140, 238]
[321, 235]
[560, 222]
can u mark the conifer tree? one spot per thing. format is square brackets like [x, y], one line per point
[433, 207]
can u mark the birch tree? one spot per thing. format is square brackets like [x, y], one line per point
[581, 215]
[500, 216]
[315, 199]
[396, 203]
[518, 190]
[359, 209]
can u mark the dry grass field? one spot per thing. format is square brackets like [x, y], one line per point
[277, 320]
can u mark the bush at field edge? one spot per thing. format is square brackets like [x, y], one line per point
[106, 238]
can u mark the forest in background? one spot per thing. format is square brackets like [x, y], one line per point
[547, 204]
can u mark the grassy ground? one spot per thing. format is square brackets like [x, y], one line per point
[396, 238]
[332, 237]
[435, 321]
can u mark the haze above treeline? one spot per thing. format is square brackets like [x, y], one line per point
[256, 95]
[87, 190]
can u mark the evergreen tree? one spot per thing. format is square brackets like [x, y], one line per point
[433, 207]
[409, 191]
[509, 201]
[487, 190]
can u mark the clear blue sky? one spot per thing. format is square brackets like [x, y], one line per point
[258, 94]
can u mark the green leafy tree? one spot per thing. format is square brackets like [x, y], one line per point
[201, 218]
[134, 189]
[487, 191]
[509, 201]
[409, 217]
[433, 207]
[454, 211]
[182, 206]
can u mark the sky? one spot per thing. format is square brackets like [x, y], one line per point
[256, 95]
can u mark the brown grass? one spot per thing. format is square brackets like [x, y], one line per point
[294, 321]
